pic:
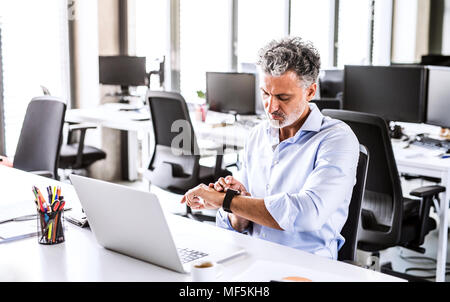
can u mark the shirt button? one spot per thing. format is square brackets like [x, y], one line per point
[267, 187]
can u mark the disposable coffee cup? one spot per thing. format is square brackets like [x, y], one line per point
[206, 271]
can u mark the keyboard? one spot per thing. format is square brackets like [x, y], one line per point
[431, 143]
[188, 255]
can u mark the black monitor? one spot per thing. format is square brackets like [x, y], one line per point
[438, 60]
[331, 82]
[122, 70]
[438, 105]
[231, 92]
[396, 93]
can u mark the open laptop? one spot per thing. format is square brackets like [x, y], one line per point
[133, 223]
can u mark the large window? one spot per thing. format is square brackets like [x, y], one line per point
[314, 21]
[34, 53]
[152, 34]
[259, 21]
[205, 42]
[221, 35]
[354, 34]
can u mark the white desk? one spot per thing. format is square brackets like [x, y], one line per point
[80, 258]
[134, 123]
[422, 161]
[110, 116]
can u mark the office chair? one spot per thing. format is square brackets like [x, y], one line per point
[39, 143]
[387, 218]
[327, 103]
[350, 229]
[77, 155]
[175, 167]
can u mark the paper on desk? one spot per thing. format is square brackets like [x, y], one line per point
[265, 271]
[16, 208]
[17, 228]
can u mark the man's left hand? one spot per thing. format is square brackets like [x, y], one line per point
[203, 197]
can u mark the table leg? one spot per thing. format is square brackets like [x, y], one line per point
[443, 230]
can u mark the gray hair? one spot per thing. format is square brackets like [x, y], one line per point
[291, 54]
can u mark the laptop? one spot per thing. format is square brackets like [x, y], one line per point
[132, 222]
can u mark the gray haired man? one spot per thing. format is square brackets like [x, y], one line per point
[299, 166]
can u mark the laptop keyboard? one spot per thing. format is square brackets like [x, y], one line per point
[188, 255]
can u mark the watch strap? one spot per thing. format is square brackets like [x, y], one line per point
[226, 205]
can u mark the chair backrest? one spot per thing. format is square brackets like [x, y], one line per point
[383, 180]
[350, 228]
[41, 136]
[175, 161]
[327, 103]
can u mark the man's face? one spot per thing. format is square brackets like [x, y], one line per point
[284, 98]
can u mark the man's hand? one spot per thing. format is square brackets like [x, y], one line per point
[229, 182]
[203, 197]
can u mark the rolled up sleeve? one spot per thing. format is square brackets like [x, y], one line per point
[326, 189]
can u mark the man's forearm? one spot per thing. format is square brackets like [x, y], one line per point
[252, 209]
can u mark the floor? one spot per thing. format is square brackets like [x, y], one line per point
[402, 259]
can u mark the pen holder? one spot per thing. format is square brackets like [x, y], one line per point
[50, 227]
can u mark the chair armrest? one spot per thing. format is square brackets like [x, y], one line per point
[427, 191]
[43, 173]
[74, 127]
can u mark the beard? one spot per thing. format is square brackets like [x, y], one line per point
[286, 119]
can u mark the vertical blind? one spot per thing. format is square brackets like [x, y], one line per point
[34, 53]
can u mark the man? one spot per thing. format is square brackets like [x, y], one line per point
[299, 167]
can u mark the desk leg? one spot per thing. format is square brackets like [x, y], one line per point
[129, 154]
[443, 230]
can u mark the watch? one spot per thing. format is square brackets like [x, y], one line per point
[226, 205]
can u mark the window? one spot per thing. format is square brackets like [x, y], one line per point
[34, 53]
[354, 32]
[152, 32]
[259, 21]
[314, 21]
[205, 43]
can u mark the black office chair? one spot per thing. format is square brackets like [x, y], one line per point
[77, 155]
[350, 229]
[175, 163]
[327, 103]
[387, 219]
[40, 138]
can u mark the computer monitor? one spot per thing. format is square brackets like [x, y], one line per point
[438, 105]
[122, 70]
[437, 60]
[396, 93]
[231, 92]
[331, 82]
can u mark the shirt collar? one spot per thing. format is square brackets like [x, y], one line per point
[313, 123]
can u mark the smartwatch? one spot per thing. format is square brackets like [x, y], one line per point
[226, 205]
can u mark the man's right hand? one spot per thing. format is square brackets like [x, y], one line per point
[229, 182]
[223, 184]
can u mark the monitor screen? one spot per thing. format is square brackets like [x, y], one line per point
[331, 82]
[122, 70]
[396, 93]
[438, 107]
[228, 92]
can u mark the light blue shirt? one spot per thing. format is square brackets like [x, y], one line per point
[306, 182]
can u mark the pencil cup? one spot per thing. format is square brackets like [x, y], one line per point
[50, 227]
